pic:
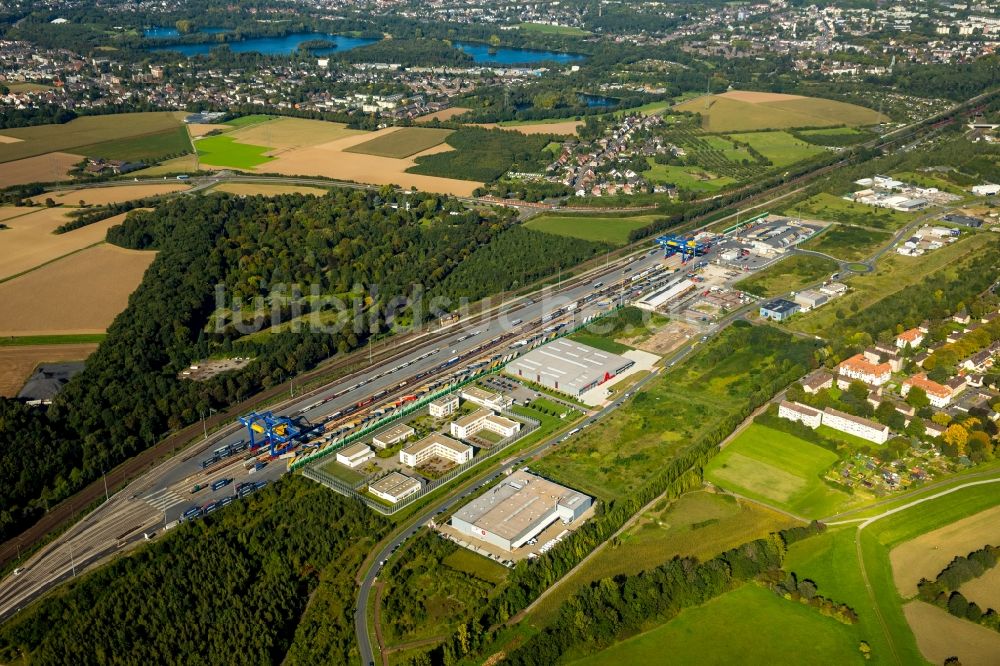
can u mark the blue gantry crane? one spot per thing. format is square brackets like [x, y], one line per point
[689, 248]
[278, 433]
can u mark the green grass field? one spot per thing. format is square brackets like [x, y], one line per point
[402, 143]
[142, 148]
[892, 273]
[224, 151]
[686, 177]
[726, 114]
[601, 342]
[701, 524]
[27, 87]
[829, 208]
[614, 230]
[847, 243]
[545, 29]
[345, 474]
[780, 147]
[465, 561]
[32, 340]
[243, 121]
[791, 273]
[779, 469]
[87, 131]
[749, 625]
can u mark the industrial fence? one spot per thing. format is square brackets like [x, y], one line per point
[350, 490]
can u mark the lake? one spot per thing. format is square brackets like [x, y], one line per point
[507, 56]
[272, 45]
[164, 33]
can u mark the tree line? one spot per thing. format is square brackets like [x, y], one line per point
[943, 591]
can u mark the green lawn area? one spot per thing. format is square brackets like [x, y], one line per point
[142, 148]
[31, 340]
[701, 524]
[729, 150]
[790, 274]
[846, 242]
[836, 136]
[402, 143]
[780, 147]
[825, 206]
[243, 121]
[226, 152]
[345, 474]
[545, 29]
[465, 561]
[614, 230]
[686, 177]
[836, 131]
[616, 456]
[599, 342]
[749, 625]
[779, 469]
[892, 273]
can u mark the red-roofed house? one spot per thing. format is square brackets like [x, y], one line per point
[860, 368]
[912, 337]
[939, 394]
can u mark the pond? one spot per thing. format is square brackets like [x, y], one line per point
[165, 33]
[284, 45]
[509, 56]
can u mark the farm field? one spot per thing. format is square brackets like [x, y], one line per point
[613, 230]
[562, 127]
[49, 168]
[749, 625]
[443, 114]
[847, 243]
[281, 134]
[941, 635]
[266, 189]
[29, 242]
[17, 363]
[144, 148]
[836, 136]
[892, 273]
[790, 274]
[780, 147]
[738, 110]
[87, 131]
[183, 164]
[984, 590]
[332, 160]
[615, 456]
[225, 151]
[81, 293]
[926, 555]
[829, 208]
[700, 524]
[686, 177]
[97, 196]
[403, 142]
[197, 130]
[779, 469]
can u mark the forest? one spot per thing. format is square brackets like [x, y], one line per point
[382, 247]
[234, 583]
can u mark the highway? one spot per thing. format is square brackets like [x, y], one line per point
[158, 498]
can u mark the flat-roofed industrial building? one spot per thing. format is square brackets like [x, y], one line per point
[355, 455]
[444, 406]
[519, 509]
[394, 487]
[489, 399]
[393, 436]
[568, 366]
[484, 419]
[437, 445]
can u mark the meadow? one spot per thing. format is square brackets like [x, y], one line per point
[846, 242]
[790, 274]
[612, 230]
[145, 148]
[558, 126]
[779, 469]
[749, 625]
[781, 148]
[225, 151]
[546, 29]
[402, 142]
[90, 131]
[686, 177]
[830, 208]
[699, 524]
[744, 110]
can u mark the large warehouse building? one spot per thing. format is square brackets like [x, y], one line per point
[518, 510]
[569, 366]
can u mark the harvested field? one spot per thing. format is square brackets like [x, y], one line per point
[563, 127]
[29, 242]
[941, 635]
[984, 590]
[181, 164]
[8, 139]
[331, 160]
[201, 129]
[17, 363]
[98, 196]
[283, 134]
[401, 142]
[928, 554]
[267, 190]
[81, 293]
[443, 114]
[87, 131]
[47, 168]
[743, 110]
